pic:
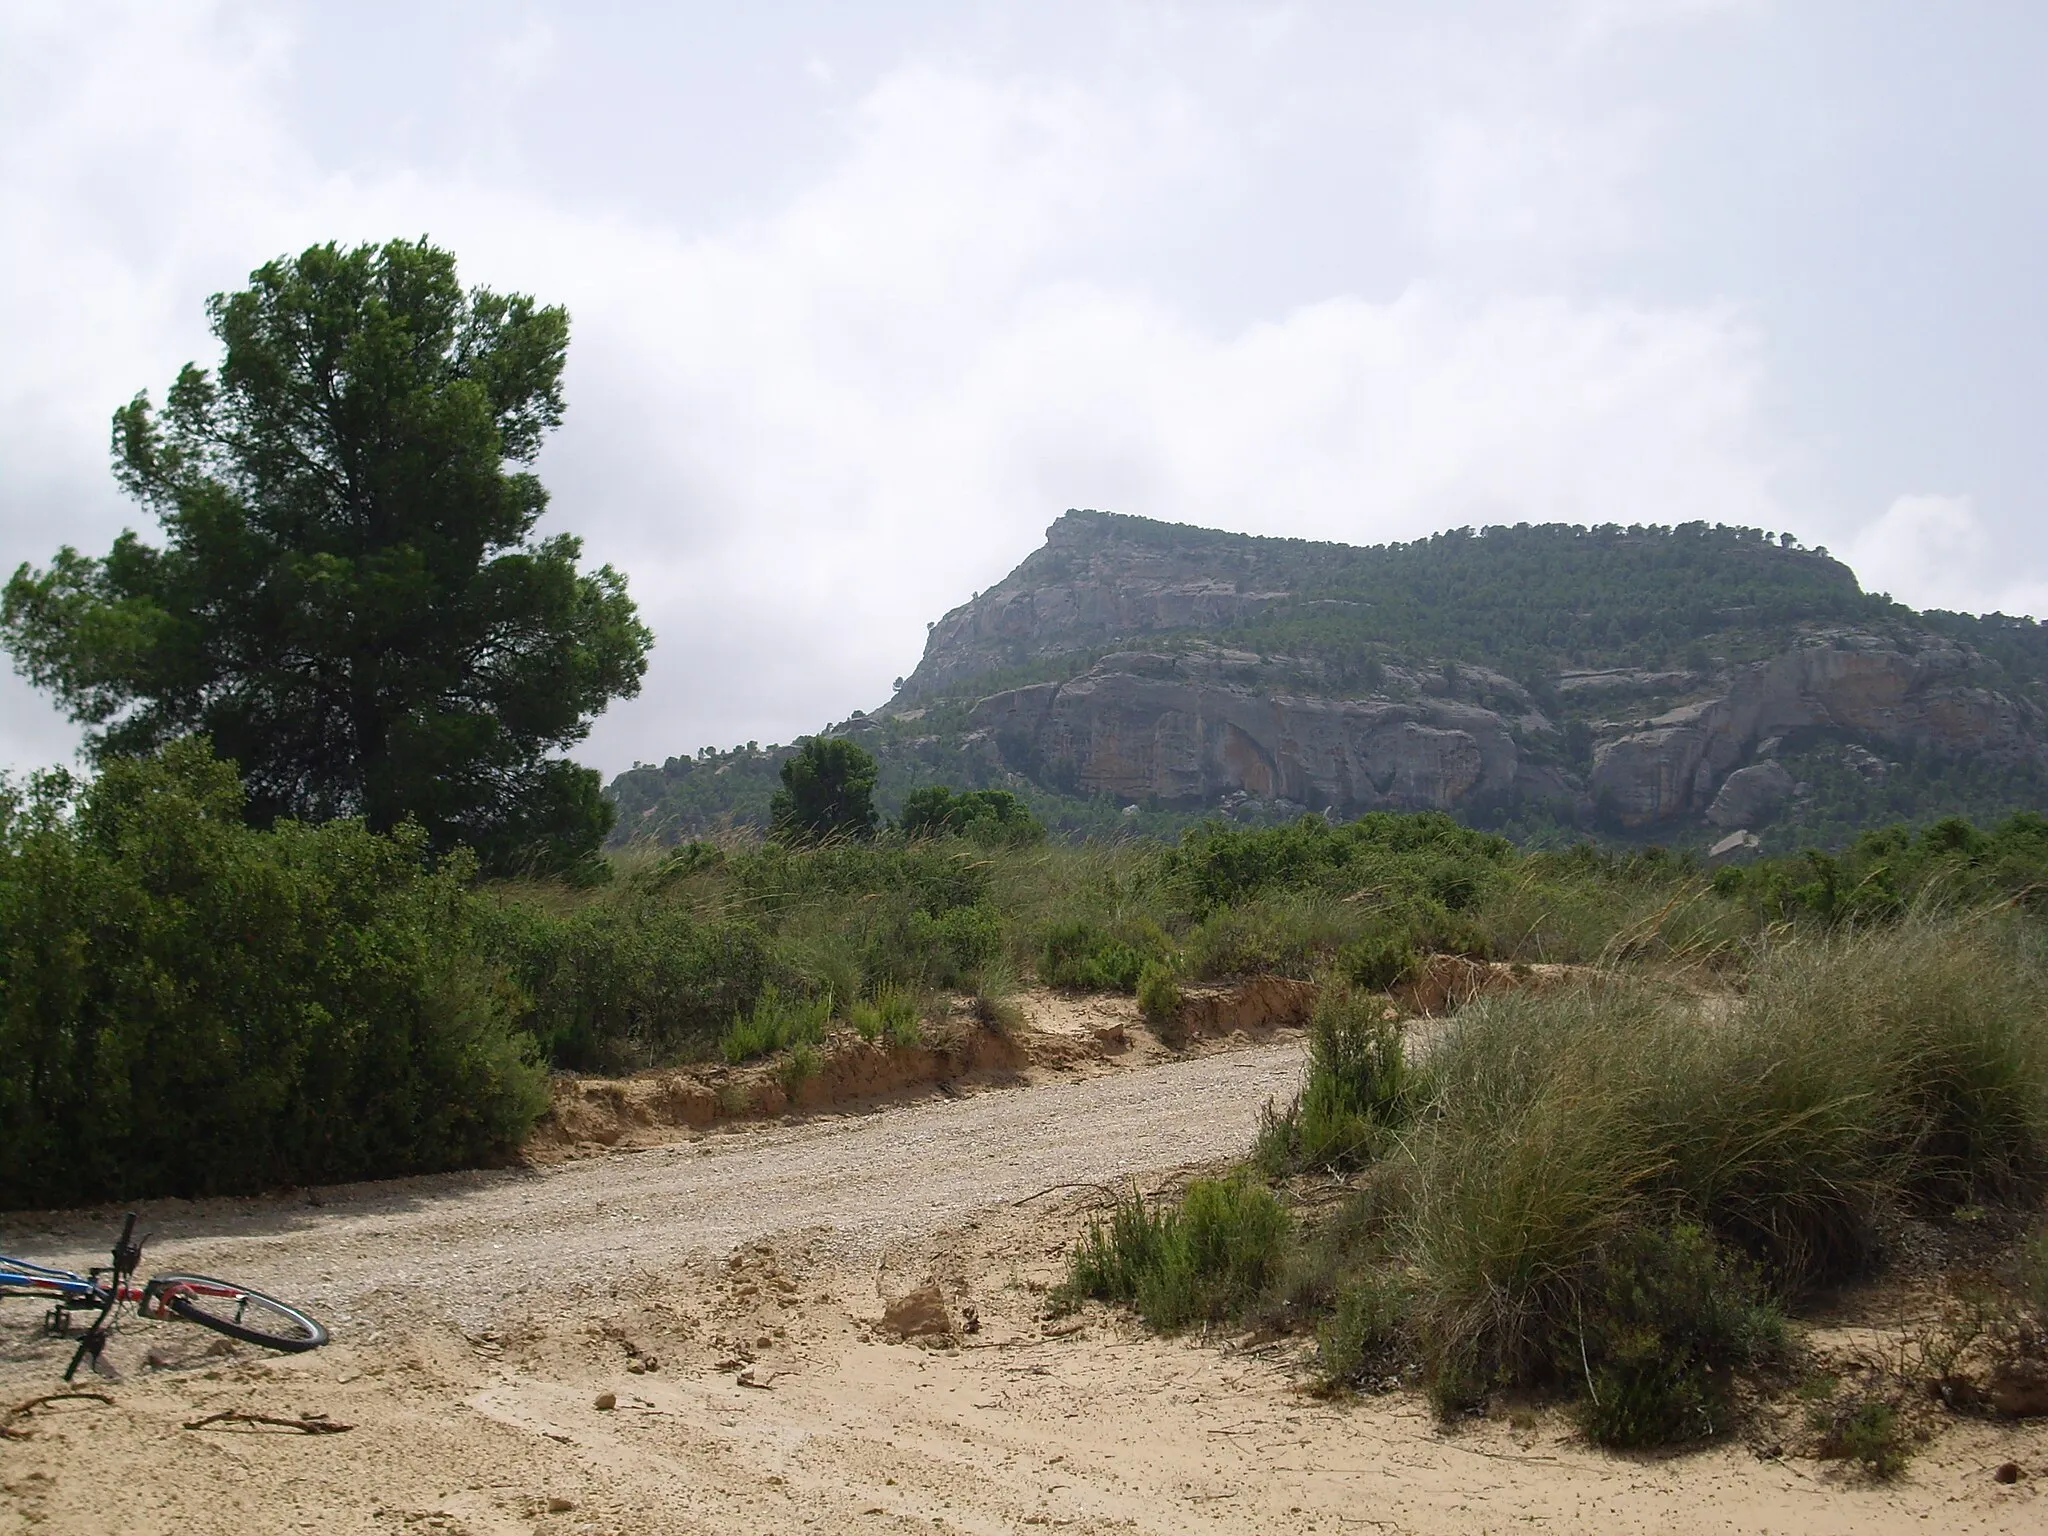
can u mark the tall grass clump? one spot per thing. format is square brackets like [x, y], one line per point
[1209, 1258]
[777, 1022]
[1358, 1089]
[1863, 1073]
[893, 1016]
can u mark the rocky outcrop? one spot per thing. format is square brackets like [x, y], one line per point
[1176, 699]
[1751, 796]
[1141, 727]
[1925, 693]
[1097, 579]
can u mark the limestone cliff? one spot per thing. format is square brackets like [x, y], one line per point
[1692, 683]
[1188, 669]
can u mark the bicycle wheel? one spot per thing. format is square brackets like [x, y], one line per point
[236, 1311]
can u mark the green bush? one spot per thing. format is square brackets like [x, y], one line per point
[631, 982]
[1665, 1320]
[1358, 1089]
[893, 1016]
[1076, 953]
[1158, 992]
[993, 817]
[776, 1022]
[1365, 1337]
[190, 1006]
[828, 791]
[1414, 854]
[1379, 961]
[1207, 1259]
[1281, 933]
[1869, 1431]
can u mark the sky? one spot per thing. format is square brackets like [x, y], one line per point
[863, 297]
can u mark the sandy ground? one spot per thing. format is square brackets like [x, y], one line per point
[479, 1319]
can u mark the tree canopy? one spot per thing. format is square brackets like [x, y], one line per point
[349, 600]
[828, 790]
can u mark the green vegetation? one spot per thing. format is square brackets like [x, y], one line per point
[828, 790]
[349, 601]
[993, 816]
[1204, 1259]
[775, 1023]
[191, 1006]
[1607, 1190]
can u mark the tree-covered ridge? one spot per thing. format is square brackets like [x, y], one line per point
[1649, 618]
[1532, 598]
[1528, 599]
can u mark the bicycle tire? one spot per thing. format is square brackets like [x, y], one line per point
[189, 1296]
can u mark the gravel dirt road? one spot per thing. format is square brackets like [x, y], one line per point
[685, 1339]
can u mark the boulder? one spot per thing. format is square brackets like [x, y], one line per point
[1751, 796]
[1737, 847]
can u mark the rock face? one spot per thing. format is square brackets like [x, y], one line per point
[1139, 727]
[1159, 707]
[1080, 589]
[1751, 796]
[1931, 695]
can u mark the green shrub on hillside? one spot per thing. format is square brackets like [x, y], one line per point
[828, 791]
[777, 1022]
[622, 984]
[990, 816]
[1158, 993]
[1416, 853]
[191, 1006]
[1077, 953]
[1205, 1259]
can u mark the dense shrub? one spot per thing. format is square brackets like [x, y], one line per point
[1077, 953]
[1399, 855]
[619, 985]
[1158, 993]
[1666, 1319]
[1365, 1338]
[1204, 1260]
[1357, 1091]
[191, 1006]
[1886, 870]
[828, 791]
[994, 817]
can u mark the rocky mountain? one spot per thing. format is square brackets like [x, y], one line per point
[1683, 683]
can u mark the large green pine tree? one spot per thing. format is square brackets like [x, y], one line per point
[349, 600]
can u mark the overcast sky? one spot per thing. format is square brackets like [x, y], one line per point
[863, 296]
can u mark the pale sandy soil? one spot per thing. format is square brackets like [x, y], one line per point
[478, 1318]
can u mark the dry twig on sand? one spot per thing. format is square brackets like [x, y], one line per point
[9, 1432]
[303, 1425]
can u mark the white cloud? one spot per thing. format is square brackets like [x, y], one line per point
[809, 430]
[1933, 551]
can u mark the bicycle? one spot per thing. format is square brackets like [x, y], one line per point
[221, 1305]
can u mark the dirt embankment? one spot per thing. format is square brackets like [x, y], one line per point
[1059, 1034]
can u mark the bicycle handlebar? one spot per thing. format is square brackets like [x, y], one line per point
[127, 1252]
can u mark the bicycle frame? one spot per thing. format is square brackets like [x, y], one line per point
[61, 1287]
